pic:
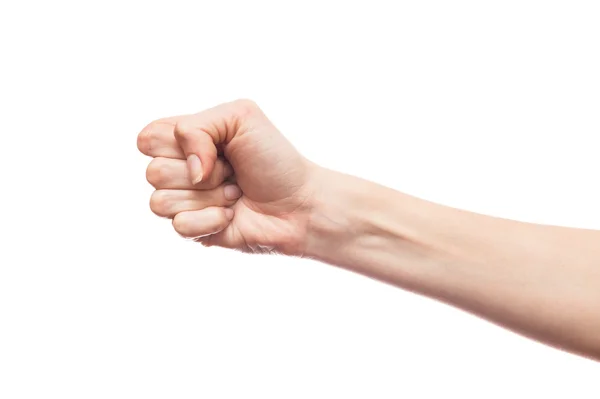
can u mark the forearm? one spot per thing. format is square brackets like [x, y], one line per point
[542, 281]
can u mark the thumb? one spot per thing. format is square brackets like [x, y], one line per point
[200, 134]
[199, 148]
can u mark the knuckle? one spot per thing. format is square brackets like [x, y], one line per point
[159, 202]
[180, 224]
[144, 140]
[244, 107]
[156, 173]
[148, 135]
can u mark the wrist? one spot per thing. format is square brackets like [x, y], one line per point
[350, 215]
[376, 231]
[336, 218]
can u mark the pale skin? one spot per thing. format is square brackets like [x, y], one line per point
[227, 177]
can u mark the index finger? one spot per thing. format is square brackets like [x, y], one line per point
[157, 139]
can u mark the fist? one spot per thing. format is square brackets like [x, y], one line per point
[228, 177]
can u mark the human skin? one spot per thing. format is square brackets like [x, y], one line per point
[228, 177]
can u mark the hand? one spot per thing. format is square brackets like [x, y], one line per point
[197, 157]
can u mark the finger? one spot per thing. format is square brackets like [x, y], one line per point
[158, 140]
[201, 223]
[200, 134]
[165, 173]
[168, 203]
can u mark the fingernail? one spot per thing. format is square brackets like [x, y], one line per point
[195, 168]
[229, 213]
[232, 192]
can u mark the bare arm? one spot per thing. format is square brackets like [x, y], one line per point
[542, 281]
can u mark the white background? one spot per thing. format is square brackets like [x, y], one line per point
[487, 106]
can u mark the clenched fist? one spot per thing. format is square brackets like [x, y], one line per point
[228, 177]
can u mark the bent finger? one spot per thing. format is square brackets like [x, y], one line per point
[168, 203]
[157, 139]
[200, 223]
[165, 173]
